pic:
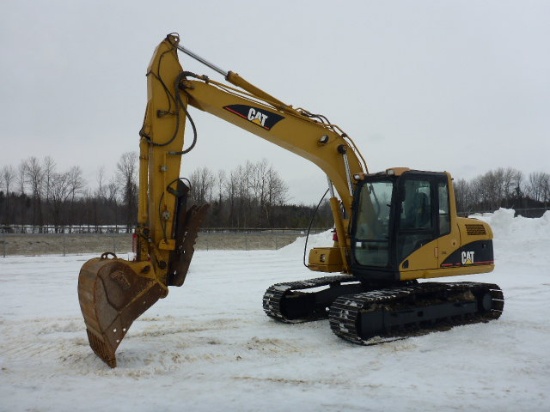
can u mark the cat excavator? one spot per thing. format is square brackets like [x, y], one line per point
[395, 230]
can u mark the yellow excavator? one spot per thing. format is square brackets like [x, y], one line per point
[393, 229]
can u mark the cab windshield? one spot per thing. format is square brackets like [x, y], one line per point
[372, 224]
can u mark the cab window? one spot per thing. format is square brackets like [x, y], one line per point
[416, 225]
[372, 225]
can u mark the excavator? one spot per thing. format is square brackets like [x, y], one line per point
[395, 231]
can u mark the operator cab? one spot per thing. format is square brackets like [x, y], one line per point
[395, 214]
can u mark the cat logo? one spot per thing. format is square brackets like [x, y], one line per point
[468, 257]
[260, 117]
[255, 116]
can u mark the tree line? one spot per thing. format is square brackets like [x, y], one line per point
[37, 194]
[504, 187]
[252, 195]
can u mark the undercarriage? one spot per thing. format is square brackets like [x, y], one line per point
[366, 315]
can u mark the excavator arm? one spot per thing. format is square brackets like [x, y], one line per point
[114, 292]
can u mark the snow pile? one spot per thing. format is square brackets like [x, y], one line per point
[507, 227]
[322, 239]
[520, 241]
[209, 346]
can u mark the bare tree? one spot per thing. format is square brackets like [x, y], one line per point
[127, 168]
[218, 210]
[231, 190]
[462, 195]
[221, 183]
[245, 202]
[98, 199]
[257, 180]
[267, 189]
[202, 185]
[512, 180]
[277, 189]
[34, 176]
[539, 186]
[76, 185]
[49, 168]
[21, 171]
[492, 188]
[76, 181]
[8, 176]
[112, 196]
[60, 191]
[101, 190]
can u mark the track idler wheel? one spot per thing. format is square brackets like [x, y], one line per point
[112, 294]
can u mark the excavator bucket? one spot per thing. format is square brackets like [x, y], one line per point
[112, 294]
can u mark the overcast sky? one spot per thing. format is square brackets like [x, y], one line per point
[462, 86]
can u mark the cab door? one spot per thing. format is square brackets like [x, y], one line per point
[418, 227]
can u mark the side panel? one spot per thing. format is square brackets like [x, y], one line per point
[472, 258]
[478, 253]
[421, 263]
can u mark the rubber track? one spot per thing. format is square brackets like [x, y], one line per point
[275, 293]
[346, 310]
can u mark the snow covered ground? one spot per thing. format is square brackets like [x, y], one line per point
[208, 346]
